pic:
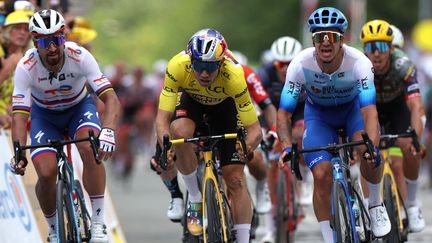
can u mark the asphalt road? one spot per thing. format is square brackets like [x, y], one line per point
[141, 205]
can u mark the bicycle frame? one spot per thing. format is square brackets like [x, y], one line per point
[388, 171]
[206, 144]
[340, 168]
[384, 146]
[65, 172]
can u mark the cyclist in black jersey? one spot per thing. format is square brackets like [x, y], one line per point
[399, 105]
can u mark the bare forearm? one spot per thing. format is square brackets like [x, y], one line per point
[284, 127]
[19, 128]
[370, 118]
[254, 135]
[112, 110]
[270, 115]
[417, 111]
[163, 119]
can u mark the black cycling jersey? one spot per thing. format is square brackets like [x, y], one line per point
[400, 80]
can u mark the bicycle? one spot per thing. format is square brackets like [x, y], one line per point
[350, 219]
[392, 197]
[72, 217]
[288, 213]
[217, 222]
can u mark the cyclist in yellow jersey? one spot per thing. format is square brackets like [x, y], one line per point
[214, 86]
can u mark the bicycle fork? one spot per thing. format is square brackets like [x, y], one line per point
[210, 176]
[388, 171]
[338, 177]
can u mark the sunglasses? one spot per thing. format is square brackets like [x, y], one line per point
[280, 65]
[45, 42]
[381, 46]
[199, 66]
[330, 36]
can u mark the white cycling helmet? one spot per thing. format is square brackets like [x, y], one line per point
[46, 22]
[398, 39]
[285, 48]
[240, 57]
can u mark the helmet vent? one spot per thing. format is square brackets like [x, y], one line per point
[378, 29]
[207, 47]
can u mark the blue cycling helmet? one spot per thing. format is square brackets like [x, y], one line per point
[207, 45]
[327, 17]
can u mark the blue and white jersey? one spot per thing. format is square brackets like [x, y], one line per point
[353, 78]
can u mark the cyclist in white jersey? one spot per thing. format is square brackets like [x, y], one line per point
[50, 85]
[338, 80]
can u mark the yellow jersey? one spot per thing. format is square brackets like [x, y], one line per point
[229, 82]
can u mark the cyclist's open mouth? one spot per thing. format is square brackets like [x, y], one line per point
[204, 82]
[326, 52]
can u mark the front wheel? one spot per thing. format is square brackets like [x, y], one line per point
[341, 214]
[65, 214]
[214, 223]
[390, 203]
[83, 215]
[282, 214]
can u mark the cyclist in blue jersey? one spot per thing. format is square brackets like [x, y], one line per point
[338, 80]
[50, 88]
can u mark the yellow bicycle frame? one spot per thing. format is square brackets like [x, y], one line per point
[210, 176]
[388, 171]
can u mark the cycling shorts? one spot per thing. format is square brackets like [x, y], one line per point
[321, 125]
[49, 124]
[395, 116]
[222, 118]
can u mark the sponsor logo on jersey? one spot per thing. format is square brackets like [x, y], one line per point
[30, 62]
[315, 89]
[412, 87]
[206, 100]
[62, 90]
[252, 79]
[241, 93]
[74, 54]
[170, 76]
[168, 89]
[181, 113]
[216, 89]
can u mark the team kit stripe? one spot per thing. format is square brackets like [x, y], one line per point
[63, 101]
[104, 89]
[37, 153]
[21, 109]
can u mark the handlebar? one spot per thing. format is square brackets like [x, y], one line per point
[206, 142]
[293, 156]
[58, 145]
[386, 139]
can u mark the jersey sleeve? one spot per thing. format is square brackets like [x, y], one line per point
[239, 92]
[365, 82]
[168, 96]
[292, 87]
[256, 89]
[99, 83]
[409, 73]
[21, 97]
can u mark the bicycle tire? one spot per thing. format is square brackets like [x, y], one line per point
[65, 229]
[341, 214]
[84, 217]
[364, 218]
[212, 215]
[389, 201]
[282, 234]
[294, 213]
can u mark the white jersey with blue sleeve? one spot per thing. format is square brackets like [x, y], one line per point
[33, 82]
[353, 78]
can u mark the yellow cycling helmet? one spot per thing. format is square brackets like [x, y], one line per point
[17, 17]
[376, 30]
